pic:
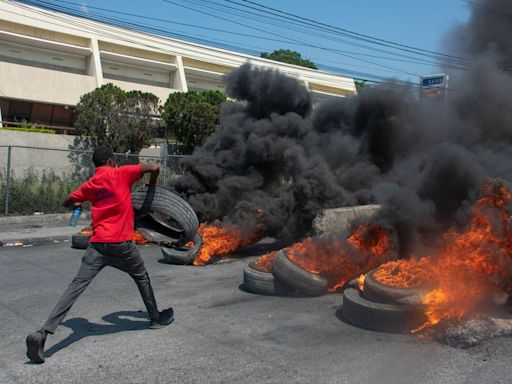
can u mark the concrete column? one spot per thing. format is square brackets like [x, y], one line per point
[94, 63]
[180, 81]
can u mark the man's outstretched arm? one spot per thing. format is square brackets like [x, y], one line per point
[153, 169]
[70, 203]
[75, 199]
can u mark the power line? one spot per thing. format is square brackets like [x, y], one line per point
[215, 43]
[87, 27]
[352, 33]
[84, 27]
[71, 11]
[413, 60]
[455, 65]
[292, 40]
[307, 30]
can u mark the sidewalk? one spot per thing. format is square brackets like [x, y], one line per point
[38, 228]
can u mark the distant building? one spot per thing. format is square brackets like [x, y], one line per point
[49, 59]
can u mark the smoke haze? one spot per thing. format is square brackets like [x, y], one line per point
[422, 160]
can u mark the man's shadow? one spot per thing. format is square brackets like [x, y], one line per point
[82, 328]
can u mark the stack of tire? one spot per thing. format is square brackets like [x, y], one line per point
[285, 273]
[376, 307]
[163, 218]
[284, 277]
[166, 219]
[380, 307]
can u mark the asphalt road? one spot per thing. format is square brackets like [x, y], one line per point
[221, 333]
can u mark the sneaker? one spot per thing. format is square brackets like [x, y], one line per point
[35, 346]
[166, 318]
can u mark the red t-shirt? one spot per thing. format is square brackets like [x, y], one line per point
[109, 192]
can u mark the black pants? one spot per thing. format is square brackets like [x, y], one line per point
[124, 256]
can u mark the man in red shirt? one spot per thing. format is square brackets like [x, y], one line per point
[109, 192]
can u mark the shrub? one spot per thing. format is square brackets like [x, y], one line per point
[192, 116]
[29, 129]
[34, 192]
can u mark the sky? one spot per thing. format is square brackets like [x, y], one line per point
[225, 23]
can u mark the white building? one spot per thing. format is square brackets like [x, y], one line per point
[49, 59]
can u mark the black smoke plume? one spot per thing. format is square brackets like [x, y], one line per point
[422, 160]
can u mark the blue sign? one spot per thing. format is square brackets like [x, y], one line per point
[429, 81]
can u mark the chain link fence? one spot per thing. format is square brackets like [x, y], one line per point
[37, 180]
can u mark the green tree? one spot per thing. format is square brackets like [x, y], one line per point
[290, 57]
[192, 116]
[125, 121]
[360, 84]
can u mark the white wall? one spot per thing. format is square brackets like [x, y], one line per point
[39, 160]
[45, 85]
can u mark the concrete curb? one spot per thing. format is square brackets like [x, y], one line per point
[39, 228]
[42, 219]
[28, 236]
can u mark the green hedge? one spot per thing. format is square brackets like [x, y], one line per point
[36, 192]
[31, 129]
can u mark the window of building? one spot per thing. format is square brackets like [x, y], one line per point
[62, 116]
[42, 113]
[19, 110]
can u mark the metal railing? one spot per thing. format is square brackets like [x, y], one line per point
[36, 180]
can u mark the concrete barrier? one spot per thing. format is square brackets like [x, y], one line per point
[334, 221]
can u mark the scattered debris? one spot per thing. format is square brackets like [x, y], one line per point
[473, 331]
[14, 244]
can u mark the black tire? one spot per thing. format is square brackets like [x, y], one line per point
[379, 316]
[154, 232]
[80, 241]
[166, 222]
[182, 255]
[160, 200]
[381, 293]
[297, 278]
[262, 283]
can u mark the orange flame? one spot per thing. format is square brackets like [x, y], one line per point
[473, 264]
[137, 236]
[340, 261]
[219, 240]
[405, 273]
[360, 282]
[264, 263]
[189, 244]
[86, 231]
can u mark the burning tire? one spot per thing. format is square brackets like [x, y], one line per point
[297, 278]
[260, 282]
[182, 255]
[381, 293]
[80, 240]
[172, 209]
[380, 316]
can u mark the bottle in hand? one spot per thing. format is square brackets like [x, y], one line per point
[75, 216]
